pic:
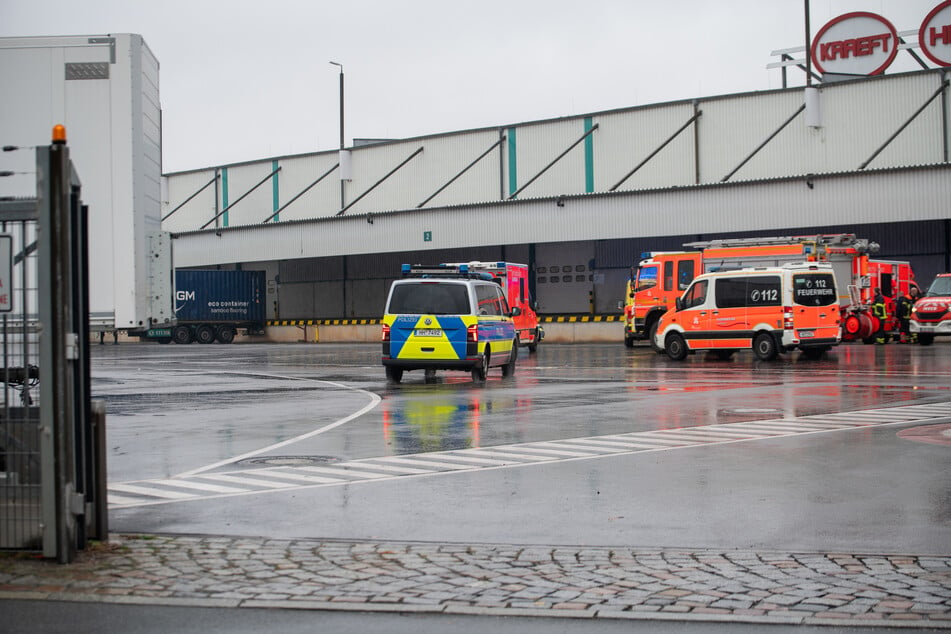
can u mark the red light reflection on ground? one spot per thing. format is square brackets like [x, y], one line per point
[933, 434]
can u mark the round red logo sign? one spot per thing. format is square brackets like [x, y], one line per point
[934, 36]
[857, 43]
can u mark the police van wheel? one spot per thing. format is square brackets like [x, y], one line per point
[764, 347]
[393, 374]
[676, 347]
[509, 368]
[478, 372]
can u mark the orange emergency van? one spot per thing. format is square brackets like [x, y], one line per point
[768, 310]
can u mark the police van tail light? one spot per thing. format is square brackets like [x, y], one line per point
[472, 333]
[787, 318]
[385, 333]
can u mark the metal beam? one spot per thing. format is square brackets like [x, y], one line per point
[937, 93]
[763, 144]
[556, 159]
[302, 192]
[655, 152]
[463, 171]
[377, 184]
[188, 200]
[241, 197]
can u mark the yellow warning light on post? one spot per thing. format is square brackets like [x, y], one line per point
[59, 133]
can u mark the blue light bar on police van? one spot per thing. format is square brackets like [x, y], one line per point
[406, 268]
[463, 268]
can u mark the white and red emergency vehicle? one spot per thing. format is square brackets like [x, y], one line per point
[513, 278]
[661, 277]
[931, 314]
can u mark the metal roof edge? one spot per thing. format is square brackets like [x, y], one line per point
[626, 193]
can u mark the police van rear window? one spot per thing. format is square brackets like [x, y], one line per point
[429, 298]
[814, 289]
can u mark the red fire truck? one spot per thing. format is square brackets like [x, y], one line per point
[661, 277]
[513, 278]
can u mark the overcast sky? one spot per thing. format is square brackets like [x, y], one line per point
[243, 80]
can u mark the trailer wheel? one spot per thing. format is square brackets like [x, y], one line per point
[182, 334]
[225, 334]
[205, 334]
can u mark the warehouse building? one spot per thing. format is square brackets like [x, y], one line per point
[580, 198]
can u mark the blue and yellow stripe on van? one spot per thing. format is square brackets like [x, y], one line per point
[441, 341]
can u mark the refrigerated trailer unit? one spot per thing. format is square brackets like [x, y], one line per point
[105, 90]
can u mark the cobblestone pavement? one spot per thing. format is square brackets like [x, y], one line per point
[573, 581]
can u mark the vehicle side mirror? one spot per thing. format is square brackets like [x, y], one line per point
[516, 311]
[679, 304]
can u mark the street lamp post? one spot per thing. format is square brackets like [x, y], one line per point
[342, 179]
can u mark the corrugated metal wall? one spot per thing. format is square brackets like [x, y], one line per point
[581, 239]
[858, 117]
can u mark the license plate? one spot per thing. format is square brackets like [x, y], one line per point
[431, 332]
[806, 334]
[925, 328]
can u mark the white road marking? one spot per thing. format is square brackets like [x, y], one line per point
[413, 460]
[150, 492]
[251, 482]
[353, 473]
[391, 469]
[199, 486]
[374, 401]
[288, 475]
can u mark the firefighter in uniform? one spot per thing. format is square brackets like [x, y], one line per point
[905, 303]
[880, 312]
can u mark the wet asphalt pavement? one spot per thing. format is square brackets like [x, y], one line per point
[216, 410]
[800, 490]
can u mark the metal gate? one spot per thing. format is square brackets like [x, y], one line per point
[20, 475]
[52, 442]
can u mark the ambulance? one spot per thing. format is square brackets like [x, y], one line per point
[448, 317]
[769, 310]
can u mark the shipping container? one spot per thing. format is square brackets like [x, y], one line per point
[212, 305]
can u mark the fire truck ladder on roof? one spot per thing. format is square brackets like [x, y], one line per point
[825, 240]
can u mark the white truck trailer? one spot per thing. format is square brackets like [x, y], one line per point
[105, 90]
